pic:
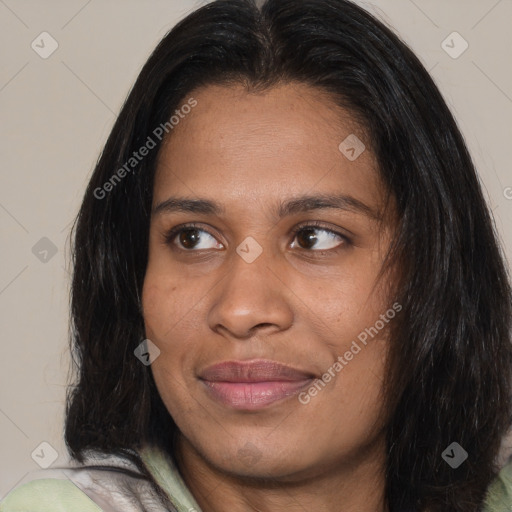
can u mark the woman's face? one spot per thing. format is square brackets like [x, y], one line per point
[243, 290]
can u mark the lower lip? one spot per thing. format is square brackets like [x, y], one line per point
[254, 395]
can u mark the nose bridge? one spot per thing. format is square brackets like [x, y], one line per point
[250, 294]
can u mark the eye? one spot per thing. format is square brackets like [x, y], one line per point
[308, 238]
[191, 237]
[314, 237]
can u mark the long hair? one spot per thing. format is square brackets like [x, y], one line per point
[448, 373]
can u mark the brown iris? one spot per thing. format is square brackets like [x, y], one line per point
[308, 236]
[189, 238]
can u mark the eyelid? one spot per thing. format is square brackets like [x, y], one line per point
[320, 225]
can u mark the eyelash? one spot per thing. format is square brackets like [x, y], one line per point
[173, 232]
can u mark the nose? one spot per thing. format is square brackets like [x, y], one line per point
[251, 296]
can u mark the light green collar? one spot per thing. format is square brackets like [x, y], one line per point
[166, 474]
[499, 493]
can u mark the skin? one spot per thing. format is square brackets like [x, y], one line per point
[301, 303]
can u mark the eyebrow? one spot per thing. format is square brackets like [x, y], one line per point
[300, 204]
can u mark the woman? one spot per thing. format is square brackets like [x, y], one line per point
[287, 292]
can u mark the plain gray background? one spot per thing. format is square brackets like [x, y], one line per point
[56, 115]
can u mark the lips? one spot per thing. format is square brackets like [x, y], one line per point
[253, 384]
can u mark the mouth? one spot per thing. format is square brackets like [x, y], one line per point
[251, 385]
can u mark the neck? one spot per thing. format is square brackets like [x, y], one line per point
[355, 487]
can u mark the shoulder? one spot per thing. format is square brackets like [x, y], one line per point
[499, 494]
[103, 484]
[48, 495]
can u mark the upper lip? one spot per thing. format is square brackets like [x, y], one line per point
[259, 370]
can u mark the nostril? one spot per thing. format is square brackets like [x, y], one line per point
[261, 325]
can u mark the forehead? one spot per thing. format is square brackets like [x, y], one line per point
[283, 141]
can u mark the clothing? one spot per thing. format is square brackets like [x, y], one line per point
[78, 489]
[499, 494]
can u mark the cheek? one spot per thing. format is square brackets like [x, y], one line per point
[349, 407]
[159, 292]
[170, 312]
[363, 388]
[349, 314]
[167, 304]
[157, 298]
[345, 304]
[171, 329]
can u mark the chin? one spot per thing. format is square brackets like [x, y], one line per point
[262, 463]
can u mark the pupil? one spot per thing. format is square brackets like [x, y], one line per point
[187, 235]
[309, 237]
